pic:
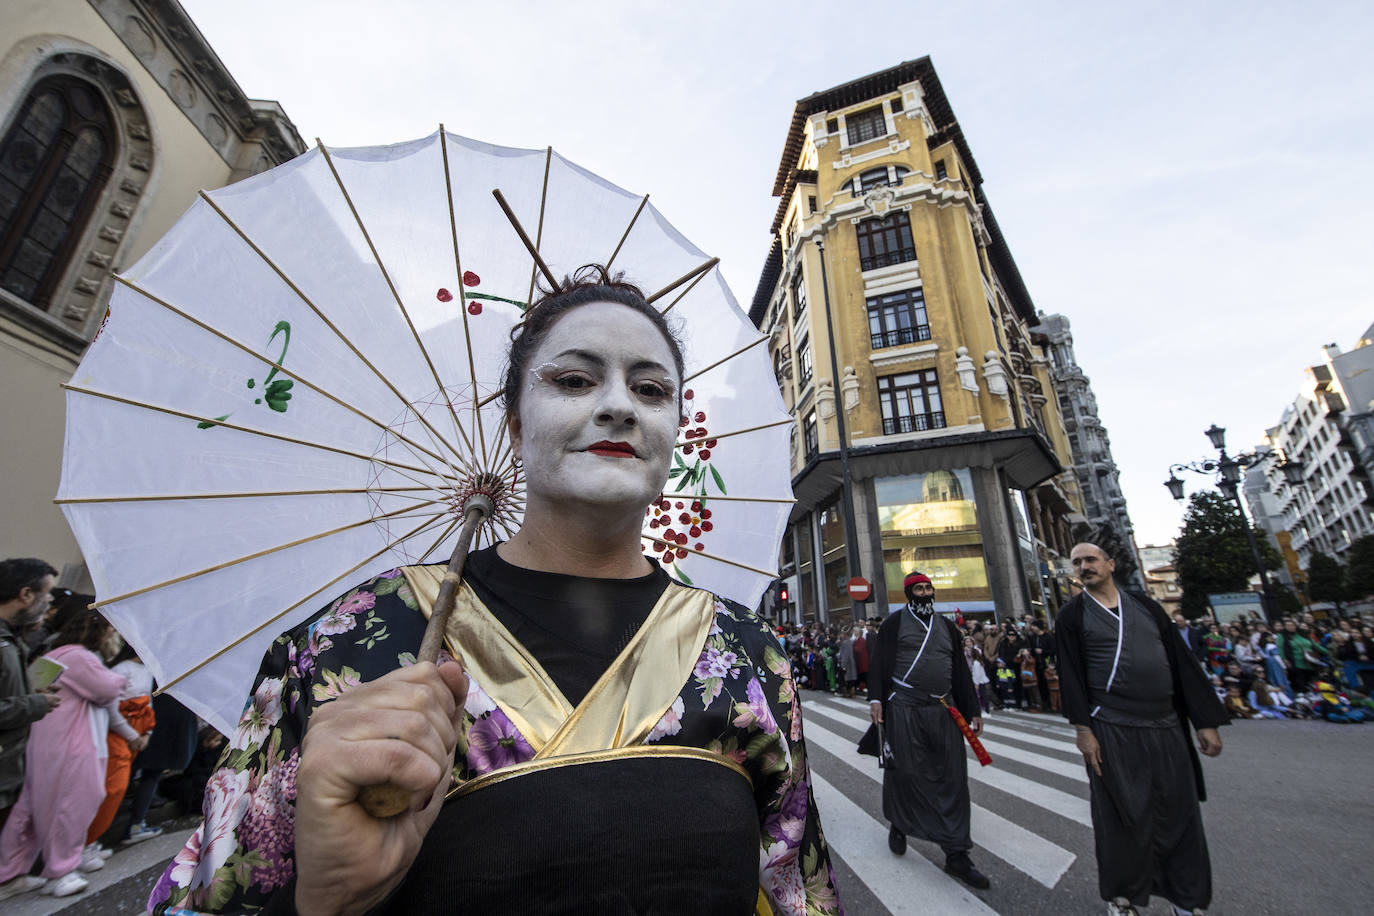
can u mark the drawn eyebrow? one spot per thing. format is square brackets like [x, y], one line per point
[597, 360]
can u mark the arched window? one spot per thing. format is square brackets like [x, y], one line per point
[54, 161]
[875, 178]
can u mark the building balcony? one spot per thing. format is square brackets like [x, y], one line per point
[1067, 373]
[900, 336]
[913, 424]
[887, 259]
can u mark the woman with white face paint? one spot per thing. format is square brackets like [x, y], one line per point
[602, 738]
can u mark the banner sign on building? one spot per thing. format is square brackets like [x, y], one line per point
[1228, 607]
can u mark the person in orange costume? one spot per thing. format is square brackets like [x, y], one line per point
[136, 708]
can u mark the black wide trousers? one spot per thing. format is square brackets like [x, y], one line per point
[926, 796]
[1146, 820]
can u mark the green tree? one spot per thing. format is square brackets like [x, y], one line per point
[1359, 568]
[1212, 553]
[1326, 579]
[1286, 601]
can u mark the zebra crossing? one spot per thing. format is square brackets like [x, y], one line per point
[1031, 826]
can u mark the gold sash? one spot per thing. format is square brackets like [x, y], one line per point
[621, 708]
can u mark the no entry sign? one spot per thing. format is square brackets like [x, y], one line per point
[860, 589]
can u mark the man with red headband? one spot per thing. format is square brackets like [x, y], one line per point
[917, 663]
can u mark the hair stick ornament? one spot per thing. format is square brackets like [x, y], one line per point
[689, 275]
[524, 237]
[620, 244]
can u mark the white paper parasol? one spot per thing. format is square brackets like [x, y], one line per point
[294, 389]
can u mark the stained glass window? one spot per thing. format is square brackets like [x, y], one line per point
[54, 161]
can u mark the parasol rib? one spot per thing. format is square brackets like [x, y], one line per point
[539, 230]
[262, 553]
[510, 532]
[690, 275]
[725, 359]
[683, 295]
[462, 296]
[710, 556]
[267, 623]
[442, 537]
[397, 491]
[329, 324]
[395, 293]
[618, 245]
[398, 466]
[415, 448]
[524, 237]
[693, 440]
[505, 445]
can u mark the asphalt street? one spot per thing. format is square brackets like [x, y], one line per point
[1290, 820]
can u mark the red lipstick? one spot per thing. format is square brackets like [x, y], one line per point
[612, 449]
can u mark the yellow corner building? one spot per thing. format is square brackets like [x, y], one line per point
[955, 446]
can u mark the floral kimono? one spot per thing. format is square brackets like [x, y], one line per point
[701, 696]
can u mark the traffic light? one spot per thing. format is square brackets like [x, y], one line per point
[782, 593]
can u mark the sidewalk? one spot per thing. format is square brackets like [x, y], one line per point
[103, 896]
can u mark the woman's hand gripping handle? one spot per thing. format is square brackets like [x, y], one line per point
[387, 798]
[399, 730]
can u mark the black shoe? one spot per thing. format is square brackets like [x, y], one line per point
[961, 866]
[896, 841]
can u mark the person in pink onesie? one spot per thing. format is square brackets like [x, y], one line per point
[64, 781]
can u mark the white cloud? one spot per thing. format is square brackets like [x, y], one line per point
[1189, 183]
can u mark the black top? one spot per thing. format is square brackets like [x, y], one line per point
[669, 837]
[572, 625]
[882, 664]
[1194, 700]
[1126, 667]
[922, 669]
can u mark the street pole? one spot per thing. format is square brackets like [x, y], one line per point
[1266, 597]
[851, 530]
[1230, 470]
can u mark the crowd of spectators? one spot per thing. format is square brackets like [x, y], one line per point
[1301, 667]
[1012, 662]
[76, 752]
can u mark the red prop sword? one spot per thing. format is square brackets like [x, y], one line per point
[979, 751]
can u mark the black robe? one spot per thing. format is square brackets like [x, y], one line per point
[1194, 699]
[1147, 827]
[926, 793]
[883, 657]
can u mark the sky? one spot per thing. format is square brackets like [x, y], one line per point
[1190, 183]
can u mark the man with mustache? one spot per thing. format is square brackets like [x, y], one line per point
[1131, 686]
[918, 661]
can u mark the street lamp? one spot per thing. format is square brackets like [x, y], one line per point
[1175, 485]
[1230, 469]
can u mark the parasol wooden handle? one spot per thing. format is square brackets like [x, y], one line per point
[386, 800]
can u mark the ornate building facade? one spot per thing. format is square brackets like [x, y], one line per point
[113, 114]
[1329, 428]
[885, 244]
[1099, 481]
